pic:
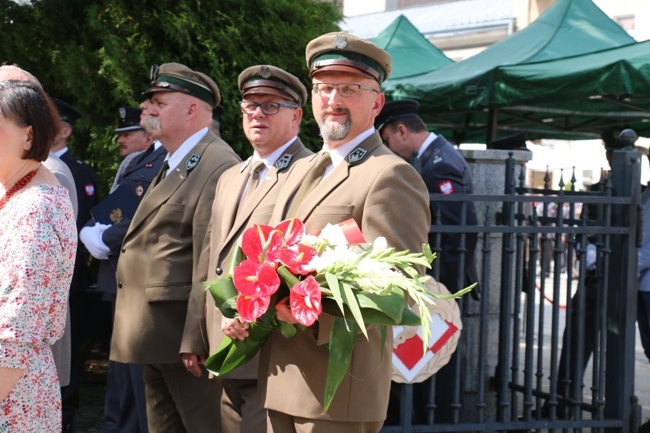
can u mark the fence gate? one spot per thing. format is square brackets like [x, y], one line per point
[550, 344]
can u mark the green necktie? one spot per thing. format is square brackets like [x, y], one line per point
[310, 182]
[162, 173]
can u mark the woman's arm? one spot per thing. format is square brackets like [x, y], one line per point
[8, 379]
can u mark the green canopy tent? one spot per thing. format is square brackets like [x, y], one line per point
[411, 52]
[585, 94]
[457, 100]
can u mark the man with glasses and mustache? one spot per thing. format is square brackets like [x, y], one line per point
[271, 107]
[363, 180]
[161, 250]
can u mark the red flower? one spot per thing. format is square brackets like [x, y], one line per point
[261, 243]
[305, 299]
[255, 283]
[251, 308]
[292, 230]
[254, 279]
[297, 259]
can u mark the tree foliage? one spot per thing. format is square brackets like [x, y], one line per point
[97, 54]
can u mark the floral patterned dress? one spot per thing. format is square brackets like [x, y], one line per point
[38, 240]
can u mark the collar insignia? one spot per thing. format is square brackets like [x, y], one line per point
[265, 71]
[192, 162]
[283, 162]
[340, 42]
[357, 156]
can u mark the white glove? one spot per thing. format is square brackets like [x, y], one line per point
[591, 257]
[92, 239]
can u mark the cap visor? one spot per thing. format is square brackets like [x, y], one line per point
[341, 68]
[268, 91]
[128, 128]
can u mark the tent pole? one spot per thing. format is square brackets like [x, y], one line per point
[491, 132]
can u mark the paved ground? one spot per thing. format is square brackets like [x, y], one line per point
[91, 401]
[642, 364]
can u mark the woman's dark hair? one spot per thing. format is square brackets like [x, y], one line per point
[26, 104]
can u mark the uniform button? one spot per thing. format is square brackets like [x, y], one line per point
[123, 250]
[219, 271]
[119, 285]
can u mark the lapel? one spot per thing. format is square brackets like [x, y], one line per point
[230, 197]
[144, 159]
[339, 175]
[262, 190]
[68, 158]
[160, 194]
[433, 150]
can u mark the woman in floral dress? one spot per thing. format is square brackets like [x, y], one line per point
[38, 238]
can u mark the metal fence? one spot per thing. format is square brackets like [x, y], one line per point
[550, 344]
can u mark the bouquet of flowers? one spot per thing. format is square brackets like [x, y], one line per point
[335, 271]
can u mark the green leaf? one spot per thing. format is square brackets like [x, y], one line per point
[375, 309]
[287, 329]
[333, 284]
[409, 318]
[353, 304]
[224, 293]
[234, 353]
[236, 257]
[341, 345]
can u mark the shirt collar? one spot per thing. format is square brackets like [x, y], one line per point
[341, 152]
[185, 148]
[426, 143]
[270, 160]
[60, 152]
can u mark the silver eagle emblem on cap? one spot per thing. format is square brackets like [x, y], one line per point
[340, 42]
[356, 156]
[122, 113]
[192, 162]
[283, 162]
[265, 71]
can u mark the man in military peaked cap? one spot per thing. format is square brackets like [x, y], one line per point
[444, 171]
[161, 249]
[271, 107]
[81, 302]
[362, 180]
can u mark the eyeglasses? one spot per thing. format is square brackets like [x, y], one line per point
[267, 107]
[344, 89]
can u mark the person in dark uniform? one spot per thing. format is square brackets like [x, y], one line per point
[444, 171]
[574, 345]
[86, 183]
[125, 406]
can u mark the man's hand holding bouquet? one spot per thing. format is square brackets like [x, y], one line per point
[282, 278]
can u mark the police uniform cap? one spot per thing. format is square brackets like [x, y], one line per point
[394, 110]
[271, 80]
[344, 52]
[174, 77]
[129, 119]
[610, 138]
[67, 112]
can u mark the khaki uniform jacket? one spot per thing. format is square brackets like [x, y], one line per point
[202, 333]
[386, 197]
[159, 253]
